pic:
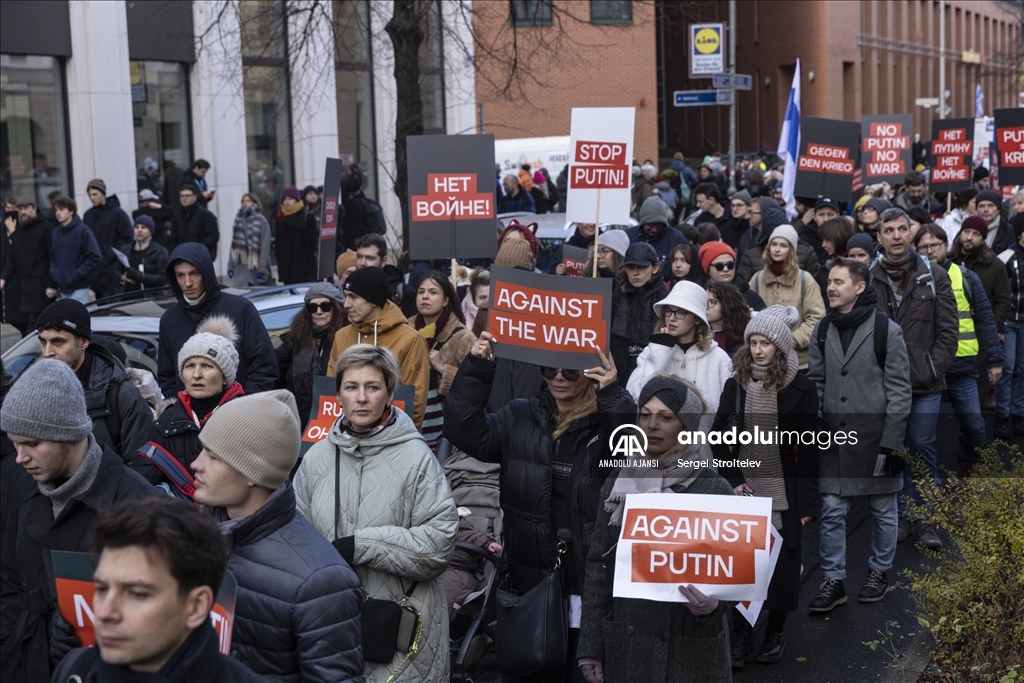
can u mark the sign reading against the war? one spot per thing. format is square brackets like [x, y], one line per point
[333, 173]
[707, 50]
[574, 259]
[549, 320]
[326, 409]
[600, 152]
[720, 544]
[887, 153]
[451, 197]
[828, 155]
[73, 575]
[952, 149]
[1010, 144]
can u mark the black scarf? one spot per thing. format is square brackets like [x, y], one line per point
[172, 672]
[847, 323]
[306, 361]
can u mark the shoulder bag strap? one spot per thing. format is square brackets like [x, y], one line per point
[337, 490]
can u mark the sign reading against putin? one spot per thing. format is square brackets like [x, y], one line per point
[827, 160]
[951, 153]
[1010, 145]
[886, 151]
[548, 319]
[720, 544]
[600, 152]
[451, 196]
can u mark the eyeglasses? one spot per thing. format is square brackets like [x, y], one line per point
[323, 307]
[550, 373]
[712, 303]
[726, 265]
[675, 313]
[934, 246]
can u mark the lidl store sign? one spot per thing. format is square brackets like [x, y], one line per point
[707, 49]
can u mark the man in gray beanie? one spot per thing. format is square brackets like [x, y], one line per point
[70, 479]
[655, 230]
[297, 616]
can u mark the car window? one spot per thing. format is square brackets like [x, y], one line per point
[279, 318]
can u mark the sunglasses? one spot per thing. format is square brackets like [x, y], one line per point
[728, 265]
[568, 375]
[323, 307]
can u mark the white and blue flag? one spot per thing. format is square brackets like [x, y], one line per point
[789, 143]
[979, 102]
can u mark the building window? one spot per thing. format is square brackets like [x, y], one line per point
[531, 12]
[267, 94]
[611, 11]
[353, 63]
[161, 125]
[432, 73]
[33, 131]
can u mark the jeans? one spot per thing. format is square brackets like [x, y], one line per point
[963, 395]
[1010, 392]
[920, 438]
[80, 295]
[833, 533]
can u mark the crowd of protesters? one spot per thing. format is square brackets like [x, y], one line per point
[725, 310]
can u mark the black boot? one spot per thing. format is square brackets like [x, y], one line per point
[740, 645]
[774, 644]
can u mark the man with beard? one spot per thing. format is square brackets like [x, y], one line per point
[655, 230]
[25, 277]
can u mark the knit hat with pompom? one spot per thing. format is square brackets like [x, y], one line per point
[214, 340]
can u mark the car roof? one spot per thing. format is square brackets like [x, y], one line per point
[264, 299]
[551, 226]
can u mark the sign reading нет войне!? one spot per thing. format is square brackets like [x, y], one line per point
[599, 188]
[951, 154]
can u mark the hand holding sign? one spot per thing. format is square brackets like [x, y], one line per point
[482, 347]
[605, 374]
[697, 602]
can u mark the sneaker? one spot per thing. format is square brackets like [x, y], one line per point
[904, 529]
[1018, 426]
[874, 588]
[831, 594]
[926, 536]
[1004, 429]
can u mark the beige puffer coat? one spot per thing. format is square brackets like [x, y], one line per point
[396, 501]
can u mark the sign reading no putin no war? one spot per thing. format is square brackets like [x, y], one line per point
[547, 319]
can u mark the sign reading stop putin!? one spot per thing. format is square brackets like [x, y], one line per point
[951, 153]
[720, 544]
[1010, 145]
[600, 155]
[887, 154]
[828, 152]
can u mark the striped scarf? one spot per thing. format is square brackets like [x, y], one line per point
[245, 237]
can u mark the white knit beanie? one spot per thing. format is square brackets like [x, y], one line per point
[788, 232]
[215, 341]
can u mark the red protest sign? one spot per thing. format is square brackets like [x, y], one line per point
[826, 159]
[952, 149]
[886, 148]
[574, 259]
[1010, 145]
[326, 410]
[612, 153]
[452, 196]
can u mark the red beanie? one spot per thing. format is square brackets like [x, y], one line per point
[709, 251]
[527, 232]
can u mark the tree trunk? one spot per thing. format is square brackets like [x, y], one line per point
[406, 33]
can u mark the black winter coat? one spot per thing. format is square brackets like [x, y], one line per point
[26, 270]
[125, 411]
[163, 221]
[362, 216]
[195, 224]
[633, 321]
[257, 365]
[752, 298]
[74, 255]
[297, 614]
[27, 597]
[519, 438]
[111, 227]
[296, 240]
[401, 292]
[153, 261]
[286, 371]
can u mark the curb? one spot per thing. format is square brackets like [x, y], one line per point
[915, 660]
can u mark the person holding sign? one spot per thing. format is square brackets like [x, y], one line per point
[772, 396]
[624, 639]
[549, 448]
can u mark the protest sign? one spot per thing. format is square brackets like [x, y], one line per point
[451, 197]
[600, 151]
[720, 544]
[952, 149]
[73, 577]
[750, 609]
[828, 152]
[1010, 144]
[886, 148]
[333, 173]
[326, 410]
[574, 259]
[547, 319]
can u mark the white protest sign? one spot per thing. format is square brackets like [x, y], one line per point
[600, 156]
[720, 544]
[750, 609]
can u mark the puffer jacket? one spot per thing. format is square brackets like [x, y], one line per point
[519, 438]
[126, 411]
[396, 503]
[633, 320]
[393, 331]
[803, 293]
[298, 602]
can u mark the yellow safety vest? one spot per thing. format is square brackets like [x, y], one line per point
[967, 343]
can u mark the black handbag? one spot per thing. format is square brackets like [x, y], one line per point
[532, 638]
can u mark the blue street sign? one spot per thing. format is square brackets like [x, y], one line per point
[700, 98]
[721, 81]
[743, 81]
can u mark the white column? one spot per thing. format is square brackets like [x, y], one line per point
[100, 102]
[385, 113]
[218, 115]
[459, 74]
[314, 95]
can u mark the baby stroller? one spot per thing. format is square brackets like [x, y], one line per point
[474, 485]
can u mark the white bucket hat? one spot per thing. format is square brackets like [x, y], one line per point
[688, 296]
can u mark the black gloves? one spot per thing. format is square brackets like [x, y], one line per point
[62, 639]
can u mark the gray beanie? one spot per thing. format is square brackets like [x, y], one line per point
[681, 399]
[47, 403]
[653, 211]
[214, 341]
[324, 290]
[775, 324]
[257, 435]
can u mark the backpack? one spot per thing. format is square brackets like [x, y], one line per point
[881, 337]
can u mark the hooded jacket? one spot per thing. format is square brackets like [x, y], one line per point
[129, 414]
[257, 364]
[26, 270]
[74, 255]
[195, 224]
[396, 503]
[663, 243]
[402, 293]
[391, 329]
[112, 227]
[298, 605]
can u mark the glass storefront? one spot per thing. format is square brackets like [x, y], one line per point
[33, 133]
[354, 86]
[160, 122]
